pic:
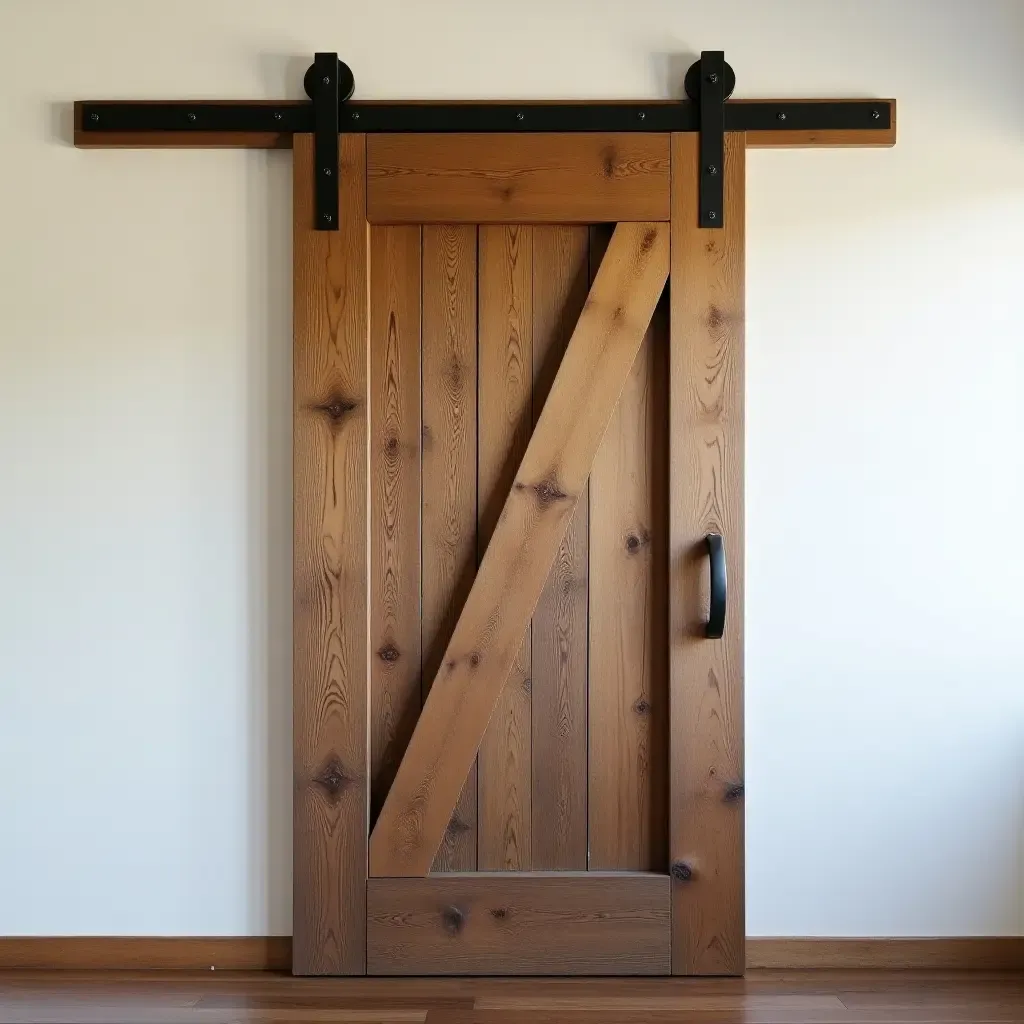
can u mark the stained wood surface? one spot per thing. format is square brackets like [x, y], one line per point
[559, 635]
[505, 424]
[60, 960]
[73, 953]
[628, 691]
[395, 667]
[945, 953]
[559, 923]
[330, 672]
[449, 476]
[763, 997]
[706, 496]
[537, 512]
[574, 177]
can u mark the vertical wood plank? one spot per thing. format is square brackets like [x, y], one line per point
[706, 495]
[329, 699]
[559, 735]
[394, 501]
[629, 616]
[505, 424]
[449, 476]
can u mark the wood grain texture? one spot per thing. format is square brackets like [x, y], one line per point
[606, 1002]
[504, 842]
[330, 669]
[60, 957]
[449, 476]
[395, 668]
[559, 777]
[146, 952]
[706, 496]
[537, 512]
[575, 177]
[628, 769]
[764, 997]
[558, 923]
[974, 953]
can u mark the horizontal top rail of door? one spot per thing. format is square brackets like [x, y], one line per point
[95, 119]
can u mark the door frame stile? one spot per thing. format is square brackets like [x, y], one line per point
[706, 440]
[330, 685]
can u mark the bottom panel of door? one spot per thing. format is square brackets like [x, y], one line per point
[562, 922]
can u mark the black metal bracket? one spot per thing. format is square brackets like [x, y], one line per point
[290, 116]
[325, 134]
[710, 82]
[708, 110]
[328, 83]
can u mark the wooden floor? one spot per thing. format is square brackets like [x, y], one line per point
[763, 997]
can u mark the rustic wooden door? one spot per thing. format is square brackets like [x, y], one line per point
[518, 420]
[518, 516]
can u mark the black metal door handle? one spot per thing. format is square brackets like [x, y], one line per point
[716, 613]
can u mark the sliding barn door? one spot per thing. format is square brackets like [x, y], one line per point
[517, 751]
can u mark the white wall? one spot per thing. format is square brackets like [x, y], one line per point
[145, 452]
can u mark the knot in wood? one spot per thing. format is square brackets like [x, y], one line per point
[457, 827]
[499, 913]
[642, 706]
[454, 374]
[337, 407]
[453, 919]
[389, 652]
[332, 778]
[681, 871]
[733, 791]
[548, 492]
[636, 541]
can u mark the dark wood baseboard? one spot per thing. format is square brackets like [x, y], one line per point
[980, 953]
[274, 953]
[172, 953]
